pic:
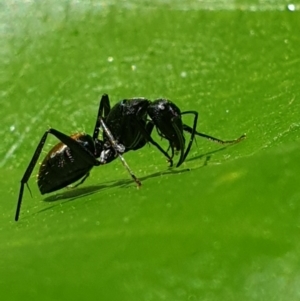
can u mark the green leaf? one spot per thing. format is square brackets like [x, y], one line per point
[223, 226]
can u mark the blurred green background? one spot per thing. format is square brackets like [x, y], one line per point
[226, 224]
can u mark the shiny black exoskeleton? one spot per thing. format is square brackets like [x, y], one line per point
[129, 123]
[127, 120]
[126, 126]
[72, 159]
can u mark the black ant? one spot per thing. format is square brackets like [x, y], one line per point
[125, 127]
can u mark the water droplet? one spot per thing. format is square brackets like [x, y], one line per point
[110, 59]
[12, 128]
[133, 67]
[291, 7]
[183, 74]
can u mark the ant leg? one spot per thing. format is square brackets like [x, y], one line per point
[170, 146]
[142, 142]
[71, 143]
[81, 181]
[189, 129]
[119, 149]
[193, 132]
[104, 106]
[28, 172]
[147, 135]
[177, 125]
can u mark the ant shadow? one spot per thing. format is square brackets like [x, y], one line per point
[73, 194]
[85, 191]
[207, 156]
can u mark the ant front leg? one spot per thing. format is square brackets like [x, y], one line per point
[190, 130]
[193, 132]
[177, 126]
[146, 132]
